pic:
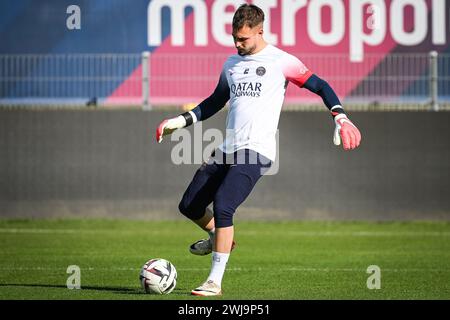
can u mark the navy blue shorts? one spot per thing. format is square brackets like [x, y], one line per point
[225, 180]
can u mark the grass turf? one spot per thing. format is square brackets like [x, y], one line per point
[272, 260]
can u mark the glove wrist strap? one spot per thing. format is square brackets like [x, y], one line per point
[189, 117]
[340, 116]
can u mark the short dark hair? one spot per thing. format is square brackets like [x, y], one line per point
[247, 15]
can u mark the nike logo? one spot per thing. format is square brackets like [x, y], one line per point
[204, 290]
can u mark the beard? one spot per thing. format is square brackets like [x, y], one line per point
[244, 52]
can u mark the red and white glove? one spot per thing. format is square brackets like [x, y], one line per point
[168, 126]
[346, 131]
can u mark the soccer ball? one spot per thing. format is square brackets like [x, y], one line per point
[158, 276]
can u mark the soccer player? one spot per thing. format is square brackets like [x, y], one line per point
[254, 82]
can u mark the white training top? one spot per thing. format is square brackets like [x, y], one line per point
[257, 85]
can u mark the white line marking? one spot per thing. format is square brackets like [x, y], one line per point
[244, 232]
[233, 269]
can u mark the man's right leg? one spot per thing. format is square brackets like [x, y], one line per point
[194, 204]
[205, 246]
[207, 221]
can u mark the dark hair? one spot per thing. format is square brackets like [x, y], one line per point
[247, 15]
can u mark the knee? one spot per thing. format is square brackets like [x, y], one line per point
[183, 207]
[188, 210]
[223, 215]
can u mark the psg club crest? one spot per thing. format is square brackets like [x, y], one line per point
[260, 71]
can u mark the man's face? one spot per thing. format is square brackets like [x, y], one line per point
[246, 39]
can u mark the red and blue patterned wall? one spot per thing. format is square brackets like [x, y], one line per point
[361, 35]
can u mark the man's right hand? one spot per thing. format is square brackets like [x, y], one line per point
[168, 126]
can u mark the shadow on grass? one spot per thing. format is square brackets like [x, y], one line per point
[120, 290]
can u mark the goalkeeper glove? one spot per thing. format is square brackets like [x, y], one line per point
[170, 125]
[346, 131]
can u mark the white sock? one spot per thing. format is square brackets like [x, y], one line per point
[219, 263]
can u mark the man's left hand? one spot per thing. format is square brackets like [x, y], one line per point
[346, 131]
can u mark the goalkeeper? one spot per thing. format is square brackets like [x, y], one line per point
[254, 83]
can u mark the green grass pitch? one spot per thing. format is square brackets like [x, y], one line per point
[272, 260]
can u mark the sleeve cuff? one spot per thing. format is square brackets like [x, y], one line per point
[194, 116]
